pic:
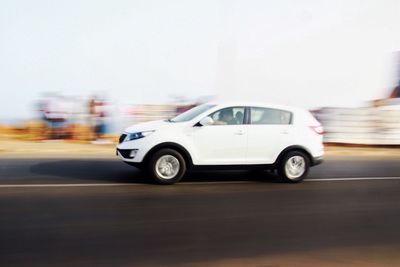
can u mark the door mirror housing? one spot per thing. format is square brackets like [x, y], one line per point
[206, 121]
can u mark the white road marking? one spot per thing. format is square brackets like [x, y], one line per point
[62, 185]
[351, 179]
[218, 182]
[192, 183]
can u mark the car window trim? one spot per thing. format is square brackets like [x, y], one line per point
[197, 124]
[290, 112]
[247, 115]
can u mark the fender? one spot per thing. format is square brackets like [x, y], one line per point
[186, 155]
[294, 147]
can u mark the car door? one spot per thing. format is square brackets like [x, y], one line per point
[223, 142]
[268, 134]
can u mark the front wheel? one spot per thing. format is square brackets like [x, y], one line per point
[294, 167]
[167, 166]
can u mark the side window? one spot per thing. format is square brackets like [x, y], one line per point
[270, 116]
[228, 116]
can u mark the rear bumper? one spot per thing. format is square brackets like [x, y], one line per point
[317, 160]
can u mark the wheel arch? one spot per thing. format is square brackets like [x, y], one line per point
[171, 145]
[294, 148]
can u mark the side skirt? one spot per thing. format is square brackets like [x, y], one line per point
[234, 167]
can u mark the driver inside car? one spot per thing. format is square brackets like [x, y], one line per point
[226, 118]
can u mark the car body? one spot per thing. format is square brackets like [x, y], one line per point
[229, 135]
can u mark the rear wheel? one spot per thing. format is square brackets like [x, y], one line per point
[167, 166]
[294, 166]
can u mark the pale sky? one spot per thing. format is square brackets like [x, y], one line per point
[307, 53]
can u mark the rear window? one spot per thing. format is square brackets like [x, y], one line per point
[270, 116]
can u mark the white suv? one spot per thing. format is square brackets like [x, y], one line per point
[231, 135]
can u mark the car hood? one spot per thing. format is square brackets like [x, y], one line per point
[150, 126]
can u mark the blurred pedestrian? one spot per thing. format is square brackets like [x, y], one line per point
[92, 117]
[98, 114]
[101, 115]
[56, 117]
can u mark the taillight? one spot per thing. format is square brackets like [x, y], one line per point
[318, 129]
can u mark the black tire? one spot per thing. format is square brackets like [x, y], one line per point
[151, 167]
[285, 176]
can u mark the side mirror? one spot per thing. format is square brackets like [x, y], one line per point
[206, 121]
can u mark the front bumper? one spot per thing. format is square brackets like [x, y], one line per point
[141, 146]
[126, 153]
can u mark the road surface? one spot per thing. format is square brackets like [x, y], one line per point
[78, 212]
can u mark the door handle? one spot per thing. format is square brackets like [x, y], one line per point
[240, 132]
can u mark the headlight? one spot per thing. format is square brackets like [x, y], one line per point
[138, 135]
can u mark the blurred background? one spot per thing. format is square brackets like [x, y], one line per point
[75, 73]
[85, 70]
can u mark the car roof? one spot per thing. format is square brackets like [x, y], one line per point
[255, 104]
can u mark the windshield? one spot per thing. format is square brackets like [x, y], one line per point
[191, 113]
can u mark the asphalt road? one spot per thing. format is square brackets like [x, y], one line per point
[105, 213]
